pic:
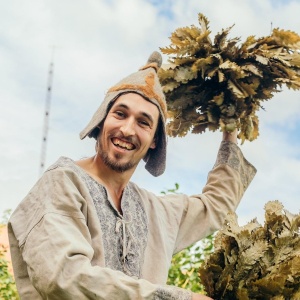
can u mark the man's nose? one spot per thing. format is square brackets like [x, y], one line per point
[127, 127]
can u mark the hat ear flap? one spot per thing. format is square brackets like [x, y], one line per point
[156, 158]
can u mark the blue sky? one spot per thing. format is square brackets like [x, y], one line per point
[98, 43]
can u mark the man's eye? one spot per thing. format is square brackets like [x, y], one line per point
[144, 123]
[119, 113]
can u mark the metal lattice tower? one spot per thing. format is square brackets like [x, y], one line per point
[47, 113]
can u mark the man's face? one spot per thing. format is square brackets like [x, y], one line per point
[128, 132]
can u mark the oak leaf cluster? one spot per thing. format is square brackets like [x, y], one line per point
[221, 84]
[255, 261]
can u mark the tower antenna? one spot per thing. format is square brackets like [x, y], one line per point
[271, 27]
[47, 112]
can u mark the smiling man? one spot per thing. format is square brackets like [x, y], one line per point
[125, 137]
[85, 231]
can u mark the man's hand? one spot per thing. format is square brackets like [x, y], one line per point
[200, 297]
[230, 136]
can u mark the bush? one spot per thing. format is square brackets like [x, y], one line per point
[183, 272]
[8, 290]
[185, 264]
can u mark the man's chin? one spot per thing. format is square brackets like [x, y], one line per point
[115, 162]
[118, 166]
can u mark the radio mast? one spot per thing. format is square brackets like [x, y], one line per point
[47, 113]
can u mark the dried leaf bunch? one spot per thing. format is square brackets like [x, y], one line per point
[222, 84]
[254, 261]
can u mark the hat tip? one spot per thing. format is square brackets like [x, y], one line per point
[155, 57]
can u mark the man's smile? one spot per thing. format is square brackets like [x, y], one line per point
[122, 144]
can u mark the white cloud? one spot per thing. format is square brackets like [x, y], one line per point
[98, 43]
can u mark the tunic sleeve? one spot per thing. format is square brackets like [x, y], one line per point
[226, 183]
[166, 292]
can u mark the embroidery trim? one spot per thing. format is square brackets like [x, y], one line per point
[230, 154]
[124, 236]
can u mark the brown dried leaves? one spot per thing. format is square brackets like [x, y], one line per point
[254, 261]
[222, 84]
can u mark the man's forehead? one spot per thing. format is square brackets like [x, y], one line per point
[136, 102]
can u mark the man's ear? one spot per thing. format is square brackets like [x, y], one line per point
[153, 144]
[157, 134]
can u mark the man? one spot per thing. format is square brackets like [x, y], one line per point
[86, 232]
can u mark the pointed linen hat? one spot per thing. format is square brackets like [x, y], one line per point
[146, 83]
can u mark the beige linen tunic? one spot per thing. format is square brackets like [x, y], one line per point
[69, 242]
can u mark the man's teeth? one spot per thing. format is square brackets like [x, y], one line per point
[122, 144]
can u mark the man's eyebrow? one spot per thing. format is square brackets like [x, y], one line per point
[148, 116]
[145, 114]
[121, 105]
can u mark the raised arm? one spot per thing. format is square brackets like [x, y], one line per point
[226, 183]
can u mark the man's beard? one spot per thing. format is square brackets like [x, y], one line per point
[114, 165]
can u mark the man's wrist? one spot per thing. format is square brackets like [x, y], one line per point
[200, 297]
[230, 136]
